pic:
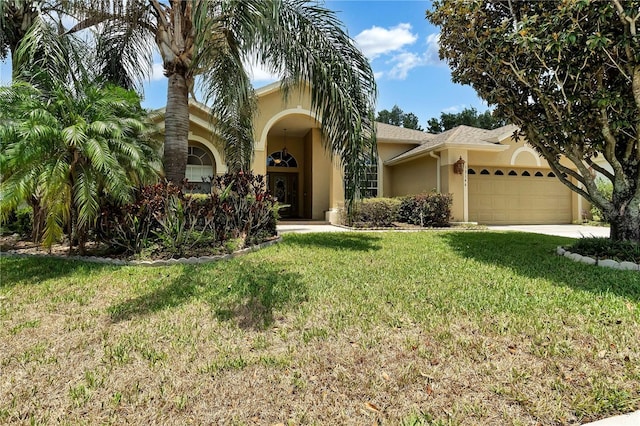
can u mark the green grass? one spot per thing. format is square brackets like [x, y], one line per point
[401, 328]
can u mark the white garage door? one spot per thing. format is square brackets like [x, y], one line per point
[517, 196]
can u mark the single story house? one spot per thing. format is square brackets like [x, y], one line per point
[493, 179]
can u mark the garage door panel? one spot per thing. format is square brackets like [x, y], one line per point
[518, 200]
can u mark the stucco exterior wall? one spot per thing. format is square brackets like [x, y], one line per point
[387, 151]
[412, 177]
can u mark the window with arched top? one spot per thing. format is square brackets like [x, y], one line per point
[538, 174]
[200, 168]
[499, 173]
[281, 159]
[526, 173]
[551, 174]
[485, 172]
[471, 172]
[513, 173]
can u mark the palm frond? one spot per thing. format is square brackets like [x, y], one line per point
[85, 197]
[223, 79]
[312, 46]
[47, 59]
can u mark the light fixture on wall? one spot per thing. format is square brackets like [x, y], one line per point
[458, 167]
[284, 144]
[283, 151]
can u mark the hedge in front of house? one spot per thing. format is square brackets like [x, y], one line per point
[426, 210]
[376, 213]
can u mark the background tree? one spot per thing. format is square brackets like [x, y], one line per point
[67, 141]
[397, 117]
[566, 73]
[212, 39]
[467, 117]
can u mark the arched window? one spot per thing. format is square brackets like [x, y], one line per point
[471, 172]
[485, 172]
[551, 174]
[200, 168]
[499, 173]
[281, 159]
[539, 174]
[526, 173]
[513, 173]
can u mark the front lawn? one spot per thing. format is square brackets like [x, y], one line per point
[337, 328]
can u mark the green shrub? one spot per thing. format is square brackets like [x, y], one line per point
[605, 248]
[376, 212]
[426, 209]
[19, 221]
[606, 188]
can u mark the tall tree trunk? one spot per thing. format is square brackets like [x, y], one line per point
[625, 226]
[176, 129]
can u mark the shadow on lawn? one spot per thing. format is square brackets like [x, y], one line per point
[241, 290]
[533, 255]
[34, 270]
[337, 241]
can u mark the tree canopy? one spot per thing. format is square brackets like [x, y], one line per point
[568, 74]
[68, 141]
[467, 117]
[398, 117]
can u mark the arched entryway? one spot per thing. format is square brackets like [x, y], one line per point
[298, 168]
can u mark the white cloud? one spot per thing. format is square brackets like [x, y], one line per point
[157, 71]
[431, 55]
[259, 73]
[377, 41]
[454, 109]
[403, 63]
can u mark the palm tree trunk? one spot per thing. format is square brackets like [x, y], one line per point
[176, 129]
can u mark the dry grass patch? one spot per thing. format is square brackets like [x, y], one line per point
[418, 328]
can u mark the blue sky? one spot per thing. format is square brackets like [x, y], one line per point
[401, 46]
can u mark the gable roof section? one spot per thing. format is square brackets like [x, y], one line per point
[395, 134]
[471, 138]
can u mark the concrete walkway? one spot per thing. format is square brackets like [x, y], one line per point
[304, 228]
[631, 419]
[572, 231]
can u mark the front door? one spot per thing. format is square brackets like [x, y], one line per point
[284, 187]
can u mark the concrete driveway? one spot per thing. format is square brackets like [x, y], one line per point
[572, 231]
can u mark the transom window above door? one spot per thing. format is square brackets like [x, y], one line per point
[281, 159]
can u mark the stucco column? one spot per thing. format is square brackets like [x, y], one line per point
[454, 184]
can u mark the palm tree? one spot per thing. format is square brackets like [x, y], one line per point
[67, 140]
[206, 43]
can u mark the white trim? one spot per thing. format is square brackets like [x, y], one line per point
[525, 149]
[380, 178]
[438, 160]
[262, 142]
[221, 166]
[465, 201]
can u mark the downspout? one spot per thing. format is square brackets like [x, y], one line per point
[437, 157]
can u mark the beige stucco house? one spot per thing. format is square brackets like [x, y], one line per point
[496, 180]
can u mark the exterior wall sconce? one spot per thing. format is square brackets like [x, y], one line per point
[458, 167]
